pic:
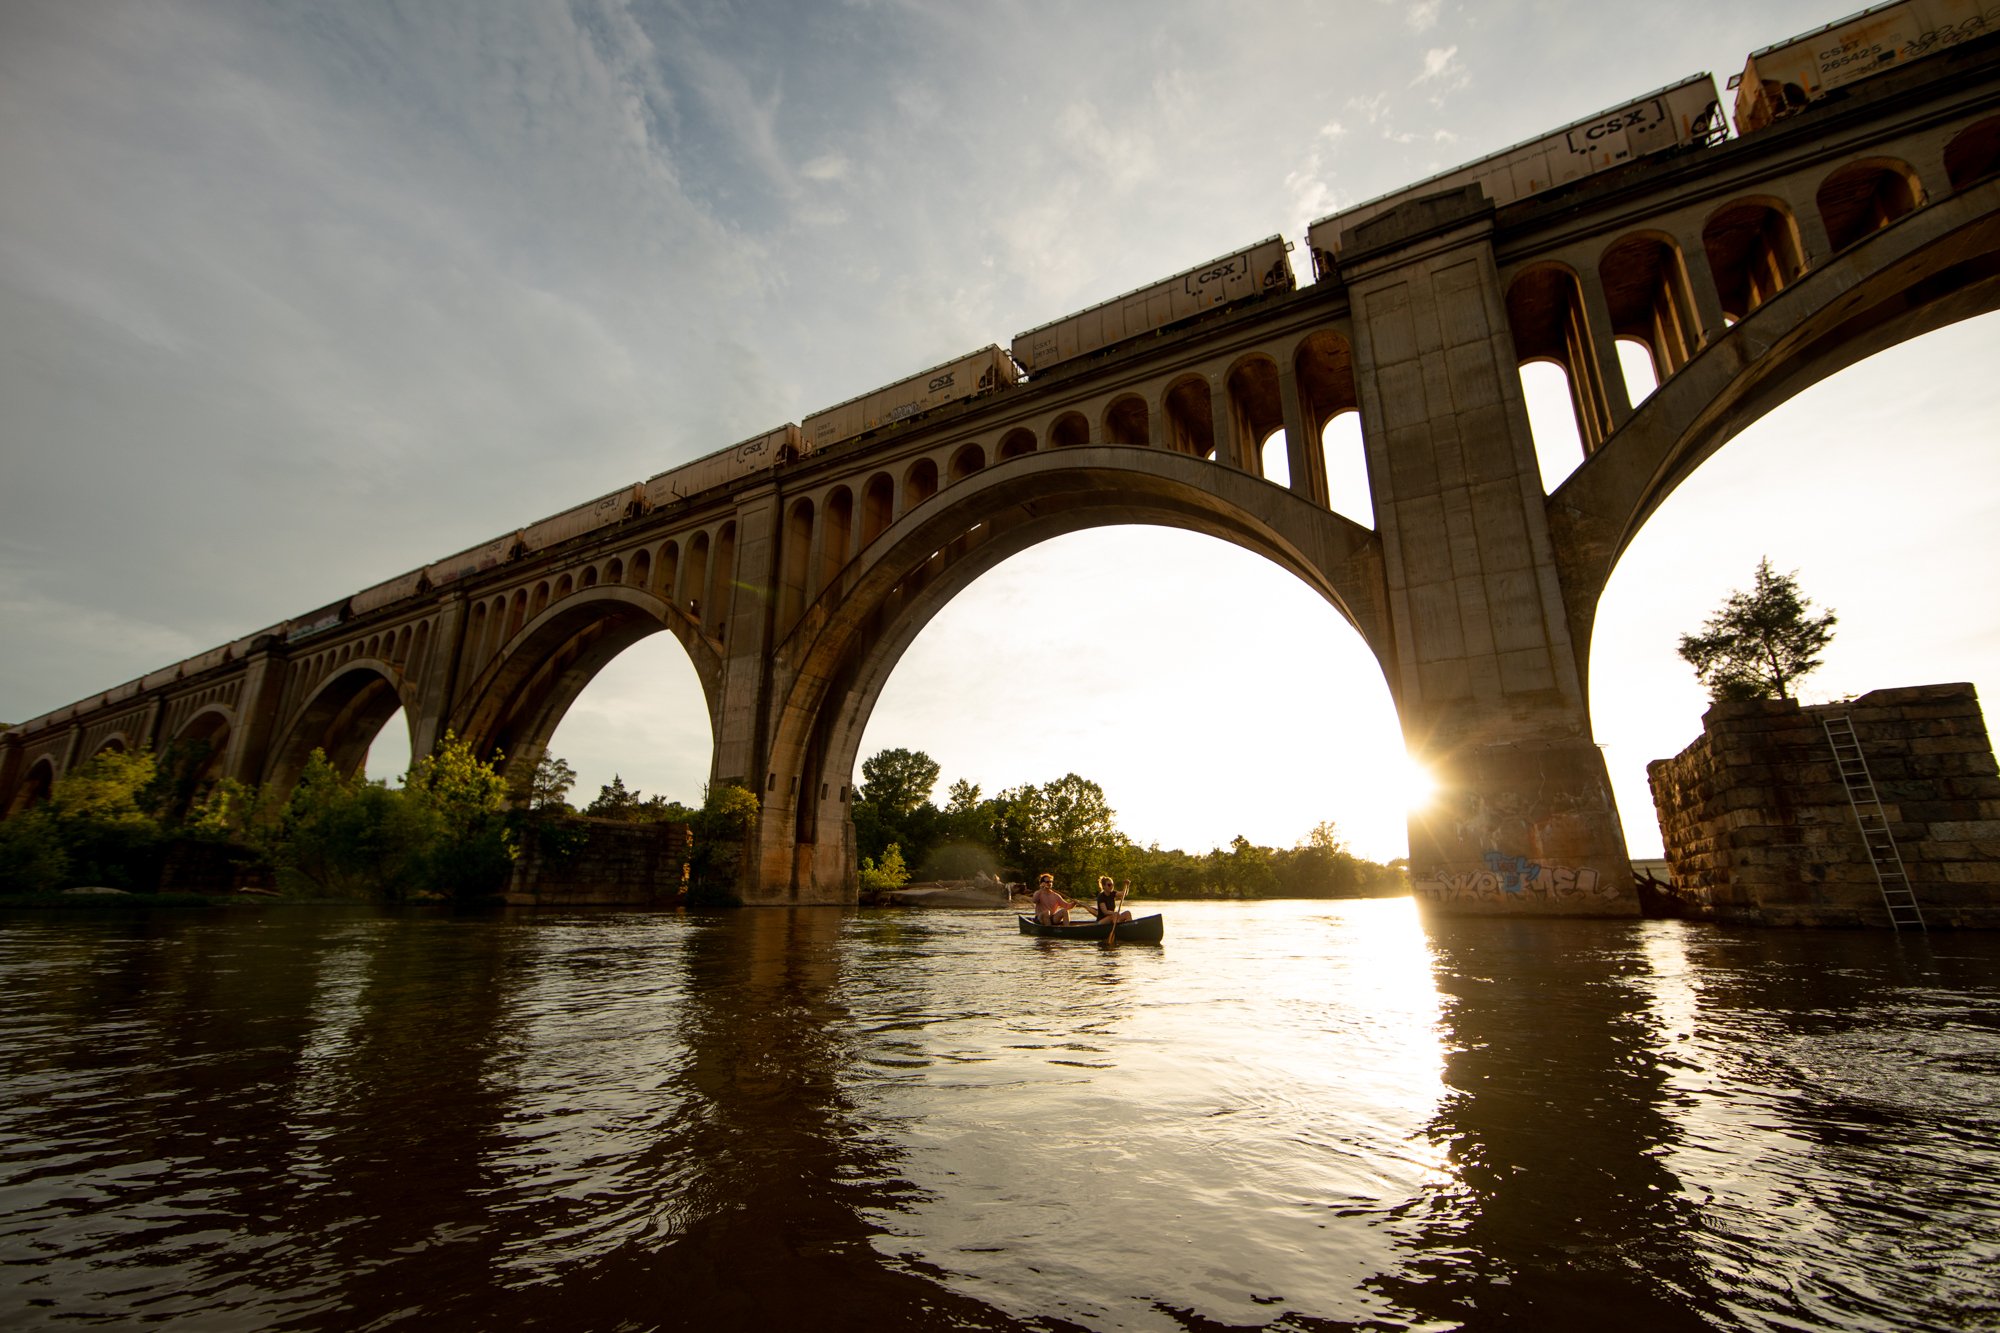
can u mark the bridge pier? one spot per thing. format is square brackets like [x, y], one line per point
[1485, 674]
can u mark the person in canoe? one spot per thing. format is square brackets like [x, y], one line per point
[1109, 898]
[1051, 908]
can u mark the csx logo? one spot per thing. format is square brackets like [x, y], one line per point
[941, 382]
[1637, 118]
[1216, 274]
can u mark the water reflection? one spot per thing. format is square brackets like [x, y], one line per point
[1291, 1116]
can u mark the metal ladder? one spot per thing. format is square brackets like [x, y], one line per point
[1897, 895]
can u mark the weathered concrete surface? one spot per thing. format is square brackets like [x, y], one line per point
[1759, 828]
[617, 863]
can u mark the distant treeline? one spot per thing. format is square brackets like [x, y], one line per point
[450, 830]
[1066, 828]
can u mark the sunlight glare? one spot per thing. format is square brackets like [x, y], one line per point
[1419, 784]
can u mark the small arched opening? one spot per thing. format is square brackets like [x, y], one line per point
[722, 582]
[1973, 153]
[1017, 442]
[1190, 418]
[920, 483]
[878, 506]
[1864, 197]
[1069, 429]
[836, 536]
[36, 787]
[1256, 415]
[695, 588]
[1545, 311]
[967, 460]
[1335, 472]
[796, 563]
[1650, 302]
[1753, 254]
[1127, 421]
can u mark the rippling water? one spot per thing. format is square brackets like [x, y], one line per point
[1290, 1116]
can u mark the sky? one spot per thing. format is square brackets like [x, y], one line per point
[296, 297]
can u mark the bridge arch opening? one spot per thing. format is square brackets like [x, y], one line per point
[1189, 417]
[1068, 430]
[1256, 410]
[1017, 442]
[1891, 558]
[1545, 312]
[201, 747]
[643, 719]
[878, 506]
[1331, 465]
[1650, 301]
[1973, 153]
[1866, 196]
[836, 542]
[37, 785]
[1128, 421]
[1029, 673]
[521, 699]
[1753, 252]
[342, 716]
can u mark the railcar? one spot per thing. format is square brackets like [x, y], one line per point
[386, 592]
[1260, 270]
[605, 510]
[1784, 79]
[755, 454]
[1684, 113]
[488, 555]
[985, 371]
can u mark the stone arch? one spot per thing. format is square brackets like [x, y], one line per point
[640, 572]
[516, 704]
[965, 461]
[1068, 430]
[564, 587]
[1323, 365]
[837, 538]
[1256, 409]
[1650, 300]
[342, 716]
[795, 561]
[842, 658]
[37, 785]
[1190, 420]
[1866, 196]
[722, 581]
[1128, 421]
[1973, 153]
[668, 570]
[1545, 312]
[878, 506]
[920, 483]
[202, 744]
[696, 575]
[115, 743]
[1017, 442]
[1939, 266]
[1753, 252]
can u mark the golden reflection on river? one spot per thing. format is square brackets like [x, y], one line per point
[1298, 1116]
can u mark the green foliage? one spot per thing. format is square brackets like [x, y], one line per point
[617, 801]
[893, 805]
[548, 786]
[725, 821]
[32, 858]
[105, 822]
[896, 782]
[891, 874]
[1761, 642]
[442, 835]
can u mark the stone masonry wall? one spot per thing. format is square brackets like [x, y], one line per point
[1759, 828]
[616, 863]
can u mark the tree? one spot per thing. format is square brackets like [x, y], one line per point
[548, 787]
[1761, 642]
[896, 782]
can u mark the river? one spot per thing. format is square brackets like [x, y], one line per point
[1295, 1116]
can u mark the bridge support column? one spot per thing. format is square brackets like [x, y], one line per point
[256, 711]
[1304, 455]
[1604, 343]
[436, 691]
[1486, 676]
[1701, 283]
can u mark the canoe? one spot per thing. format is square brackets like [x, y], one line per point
[1139, 930]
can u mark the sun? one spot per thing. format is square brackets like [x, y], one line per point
[1419, 784]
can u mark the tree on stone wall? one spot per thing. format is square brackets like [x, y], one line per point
[1761, 642]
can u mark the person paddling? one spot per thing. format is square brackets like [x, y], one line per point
[1109, 896]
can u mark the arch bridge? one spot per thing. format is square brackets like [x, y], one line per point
[1748, 271]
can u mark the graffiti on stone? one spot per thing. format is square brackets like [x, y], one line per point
[1529, 850]
[1515, 879]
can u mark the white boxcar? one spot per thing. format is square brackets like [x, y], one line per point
[755, 454]
[984, 371]
[1681, 113]
[587, 517]
[1261, 269]
[1786, 78]
[489, 555]
[385, 592]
